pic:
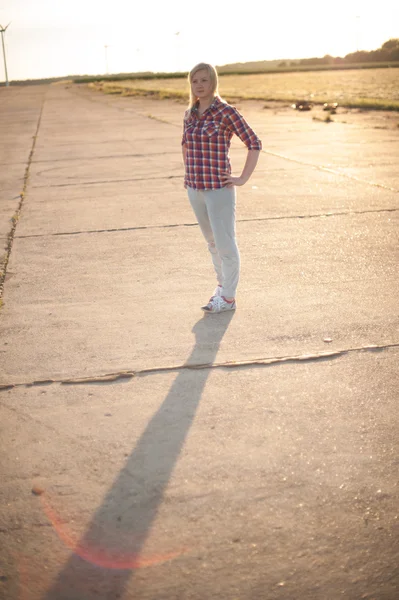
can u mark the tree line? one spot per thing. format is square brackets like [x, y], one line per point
[389, 52]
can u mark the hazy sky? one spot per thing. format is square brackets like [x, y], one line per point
[49, 38]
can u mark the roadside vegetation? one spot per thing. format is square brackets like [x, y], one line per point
[367, 89]
[365, 80]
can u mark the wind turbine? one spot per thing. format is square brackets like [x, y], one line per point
[3, 30]
[106, 58]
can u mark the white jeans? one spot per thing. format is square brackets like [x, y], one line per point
[215, 211]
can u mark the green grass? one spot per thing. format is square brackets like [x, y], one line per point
[254, 69]
[238, 69]
[126, 89]
[368, 89]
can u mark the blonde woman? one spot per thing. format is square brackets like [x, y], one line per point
[209, 125]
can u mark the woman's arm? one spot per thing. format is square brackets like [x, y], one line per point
[184, 151]
[249, 167]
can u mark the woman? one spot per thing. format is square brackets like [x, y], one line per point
[209, 125]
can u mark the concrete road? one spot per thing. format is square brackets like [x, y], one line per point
[151, 452]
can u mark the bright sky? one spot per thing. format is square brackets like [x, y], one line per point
[51, 38]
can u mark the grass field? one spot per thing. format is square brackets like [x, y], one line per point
[362, 88]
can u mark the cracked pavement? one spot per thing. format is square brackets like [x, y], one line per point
[151, 452]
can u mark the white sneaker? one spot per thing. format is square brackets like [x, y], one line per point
[218, 304]
[217, 291]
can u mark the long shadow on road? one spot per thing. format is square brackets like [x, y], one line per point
[114, 540]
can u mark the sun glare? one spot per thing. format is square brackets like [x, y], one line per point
[50, 39]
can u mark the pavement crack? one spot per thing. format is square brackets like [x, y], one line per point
[174, 225]
[236, 364]
[113, 230]
[160, 120]
[15, 218]
[14, 528]
[100, 157]
[127, 109]
[269, 361]
[102, 181]
[330, 170]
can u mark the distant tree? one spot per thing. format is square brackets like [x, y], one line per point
[326, 60]
[391, 47]
[390, 44]
[282, 64]
[394, 55]
[389, 51]
[357, 57]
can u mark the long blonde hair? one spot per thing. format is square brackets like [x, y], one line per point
[213, 77]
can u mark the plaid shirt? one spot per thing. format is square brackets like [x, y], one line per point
[207, 140]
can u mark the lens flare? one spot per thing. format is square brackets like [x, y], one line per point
[101, 557]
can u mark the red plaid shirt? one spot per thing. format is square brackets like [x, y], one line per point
[207, 140]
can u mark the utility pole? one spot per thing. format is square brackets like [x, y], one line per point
[177, 51]
[3, 31]
[106, 58]
[357, 32]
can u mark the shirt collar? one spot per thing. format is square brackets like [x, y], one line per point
[216, 101]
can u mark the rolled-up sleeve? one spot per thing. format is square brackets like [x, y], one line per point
[240, 127]
[184, 137]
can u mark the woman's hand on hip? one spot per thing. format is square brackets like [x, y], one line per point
[229, 181]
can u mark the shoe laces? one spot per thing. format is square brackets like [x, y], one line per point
[217, 302]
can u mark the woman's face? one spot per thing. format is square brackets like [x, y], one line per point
[201, 85]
